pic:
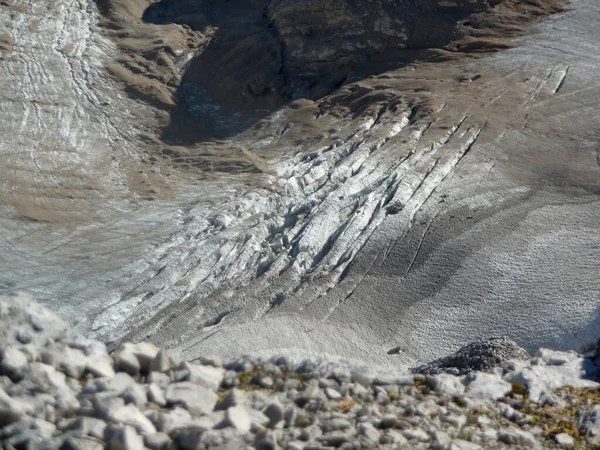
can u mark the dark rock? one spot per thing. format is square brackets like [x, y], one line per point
[482, 356]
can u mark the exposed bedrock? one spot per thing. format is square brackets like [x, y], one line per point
[418, 208]
[242, 60]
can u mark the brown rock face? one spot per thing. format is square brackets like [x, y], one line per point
[319, 37]
[246, 58]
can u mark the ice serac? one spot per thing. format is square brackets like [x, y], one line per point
[419, 207]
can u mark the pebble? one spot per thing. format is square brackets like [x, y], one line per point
[388, 421]
[369, 432]
[332, 394]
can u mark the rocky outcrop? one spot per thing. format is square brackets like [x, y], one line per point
[62, 391]
[321, 40]
[482, 356]
[242, 56]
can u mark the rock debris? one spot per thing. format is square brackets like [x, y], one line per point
[59, 390]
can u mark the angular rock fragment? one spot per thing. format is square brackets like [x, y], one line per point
[589, 423]
[446, 384]
[488, 386]
[124, 438]
[514, 436]
[130, 415]
[197, 399]
[208, 376]
[238, 418]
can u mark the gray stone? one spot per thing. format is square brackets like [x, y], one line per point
[104, 402]
[388, 421]
[460, 444]
[82, 443]
[214, 361]
[295, 445]
[136, 394]
[161, 379]
[564, 440]
[257, 418]
[441, 440]
[335, 438]
[289, 416]
[130, 415]
[126, 361]
[53, 382]
[119, 383]
[384, 378]
[13, 362]
[99, 368]
[342, 374]
[458, 420]
[160, 363]
[274, 411]
[446, 384]
[514, 436]
[196, 398]
[124, 438]
[332, 394]
[157, 441]
[11, 410]
[156, 395]
[208, 376]
[265, 441]
[488, 386]
[72, 362]
[589, 423]
[363, 375]
[397, 439]
[369, 432]
[90, 426]
[238, 418]
[31, 352]
[416, 434]
[188, 439]
[235, 397]
[177, 418]
[266, 382]
[335, 423]
[145, 352]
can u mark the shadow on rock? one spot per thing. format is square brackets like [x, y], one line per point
[263, 54]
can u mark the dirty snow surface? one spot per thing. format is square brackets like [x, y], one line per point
[440, 204]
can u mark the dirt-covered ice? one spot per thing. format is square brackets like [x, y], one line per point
[417, 209]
